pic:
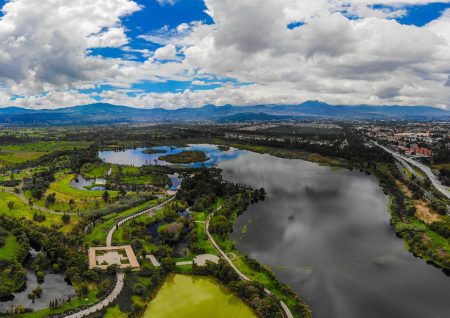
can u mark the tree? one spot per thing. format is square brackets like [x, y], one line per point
[139, 289]
[40, 275]
[168, 264]
[105, 196]
[10, 205]
[51, 199]
[65, 218]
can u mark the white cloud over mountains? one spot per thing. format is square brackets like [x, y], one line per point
[348, 53]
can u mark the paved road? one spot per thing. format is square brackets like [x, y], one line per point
[129, 218]
[285, 309]
[434, 180]
[120, 276]
[105, 302]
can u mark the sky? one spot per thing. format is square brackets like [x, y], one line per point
[189, 53]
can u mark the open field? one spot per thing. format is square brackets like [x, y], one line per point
[64, 192]
[10, 247]
[14, 154]
[22, 210]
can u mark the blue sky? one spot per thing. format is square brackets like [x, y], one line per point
[172, 54]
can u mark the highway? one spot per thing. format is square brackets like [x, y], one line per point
[434, 180]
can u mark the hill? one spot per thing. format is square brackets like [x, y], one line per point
[106, 114]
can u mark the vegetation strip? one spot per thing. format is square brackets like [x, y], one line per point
[284, 309]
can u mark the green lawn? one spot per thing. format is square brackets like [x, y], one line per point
[9, 250]
[115, 312]
[22, 210]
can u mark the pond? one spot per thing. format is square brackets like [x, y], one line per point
[137, 157]
[326, 233]
[53, 287]
[196, 297]
[81, 183]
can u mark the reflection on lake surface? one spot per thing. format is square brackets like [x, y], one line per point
[138, 158]
[327, 235]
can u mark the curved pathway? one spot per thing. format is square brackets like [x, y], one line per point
[120, 275]
[434, 180]
[22, 197]
[285, 309]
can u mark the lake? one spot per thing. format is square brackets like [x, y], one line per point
[326, 233]
[196, 297]
[53, 287]
[137, 157]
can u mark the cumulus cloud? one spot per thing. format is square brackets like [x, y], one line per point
[44, 44]
[348, 52]
[168, 52]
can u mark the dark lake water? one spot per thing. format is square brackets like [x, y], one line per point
[326, 234]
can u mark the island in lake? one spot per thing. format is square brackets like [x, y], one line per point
[188, 156]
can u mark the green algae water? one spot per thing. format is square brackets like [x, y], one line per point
[196, 297]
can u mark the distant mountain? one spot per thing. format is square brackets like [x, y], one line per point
[246, 117]
[106, 114]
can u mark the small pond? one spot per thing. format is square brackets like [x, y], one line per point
[137, 157]
[196, 297]
[81, 183]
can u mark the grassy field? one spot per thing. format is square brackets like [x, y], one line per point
[13, 154]
[22, 210]
[129, 175]
[189, 156]
[84, 199]
[8, 251]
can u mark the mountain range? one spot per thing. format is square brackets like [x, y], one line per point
[101, 113]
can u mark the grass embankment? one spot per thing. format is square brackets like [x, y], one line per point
[293, 154]
[98, 234]
[189, 156]
[21, 210]
[15, 154]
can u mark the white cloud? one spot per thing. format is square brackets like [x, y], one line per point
[168, 52]
[44, 44]
[345, 53]
[164, 2]
[53, 100]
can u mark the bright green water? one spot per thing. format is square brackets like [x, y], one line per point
[196, 297]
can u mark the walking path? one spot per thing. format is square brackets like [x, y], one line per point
[22, 197]
[434, 180]
[285, 309]
[120, 275]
